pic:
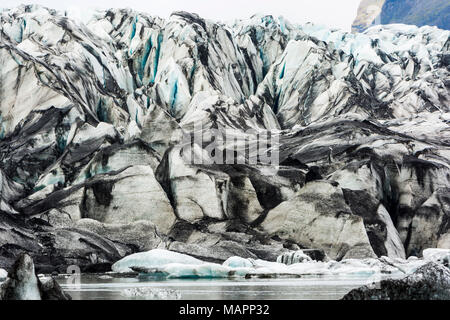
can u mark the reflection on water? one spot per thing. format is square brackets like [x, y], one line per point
[309, 288]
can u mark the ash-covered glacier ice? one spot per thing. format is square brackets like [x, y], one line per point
[93, 115]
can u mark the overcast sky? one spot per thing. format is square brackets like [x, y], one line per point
[333, 13]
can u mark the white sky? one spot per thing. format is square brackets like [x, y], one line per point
[333, 13]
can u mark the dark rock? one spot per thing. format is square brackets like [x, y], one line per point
[97, 267]
[313, 174]
[412, 12]
[429, 282]
[51, 290]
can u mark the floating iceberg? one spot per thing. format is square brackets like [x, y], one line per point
[238, 262]
[153, 259]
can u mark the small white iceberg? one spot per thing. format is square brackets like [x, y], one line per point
[205, 270]
[153, 259]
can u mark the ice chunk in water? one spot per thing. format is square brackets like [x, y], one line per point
[153, 259]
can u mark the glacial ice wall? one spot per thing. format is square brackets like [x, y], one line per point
[91, 116]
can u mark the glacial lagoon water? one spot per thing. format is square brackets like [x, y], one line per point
[89, 287]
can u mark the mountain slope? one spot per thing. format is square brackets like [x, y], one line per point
[413, 12]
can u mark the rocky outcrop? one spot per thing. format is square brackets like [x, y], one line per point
[300, 256]
[23, 284]
[101, 157]
[429, 282]
[367, 15]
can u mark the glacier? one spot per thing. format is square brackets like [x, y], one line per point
[93, 113]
